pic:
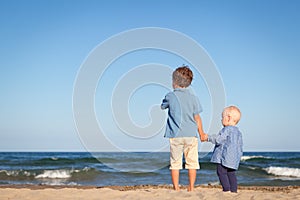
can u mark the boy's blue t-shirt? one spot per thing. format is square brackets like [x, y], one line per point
[182, 105]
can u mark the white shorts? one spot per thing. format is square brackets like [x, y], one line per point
[187, 146]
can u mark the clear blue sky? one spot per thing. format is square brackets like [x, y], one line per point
[255, 45]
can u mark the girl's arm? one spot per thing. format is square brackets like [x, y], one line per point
[219, 138]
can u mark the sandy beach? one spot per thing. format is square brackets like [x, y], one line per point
[25, 192]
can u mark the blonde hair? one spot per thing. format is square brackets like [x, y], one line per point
[234, 113]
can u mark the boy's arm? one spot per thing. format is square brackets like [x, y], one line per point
[165, 102]
[203, 136]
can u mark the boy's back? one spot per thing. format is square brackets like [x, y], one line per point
[183, 105]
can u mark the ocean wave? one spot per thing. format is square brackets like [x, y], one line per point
[283, 171]
[245, 158]
[57, 182]
[16, 173]
[60, 173]
[56, 174]
[61, 161]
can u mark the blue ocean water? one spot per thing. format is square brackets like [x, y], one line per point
[103, 169]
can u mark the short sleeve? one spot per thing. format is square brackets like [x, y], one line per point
[197, 107]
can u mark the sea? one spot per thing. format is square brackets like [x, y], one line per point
[126, 168]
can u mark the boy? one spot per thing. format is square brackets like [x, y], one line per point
[182, 126]
[228, 148]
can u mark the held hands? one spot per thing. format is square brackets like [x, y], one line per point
[203, 137]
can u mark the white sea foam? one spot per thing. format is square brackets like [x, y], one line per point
[15, 172]
[55, 174]
[10, 173]
[283, 171]
[86, 169]
[252, 168]
[244, 158]
[26, 173]
[214, 183]
[57, 182]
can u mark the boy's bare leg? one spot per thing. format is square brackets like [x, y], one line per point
[175, 179]
[192, 179]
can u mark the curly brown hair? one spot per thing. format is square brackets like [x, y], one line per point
[183, 76]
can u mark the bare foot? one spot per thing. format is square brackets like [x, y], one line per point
[176, 188]
[190, 189]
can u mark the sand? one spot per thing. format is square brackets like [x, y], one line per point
[144, 192]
